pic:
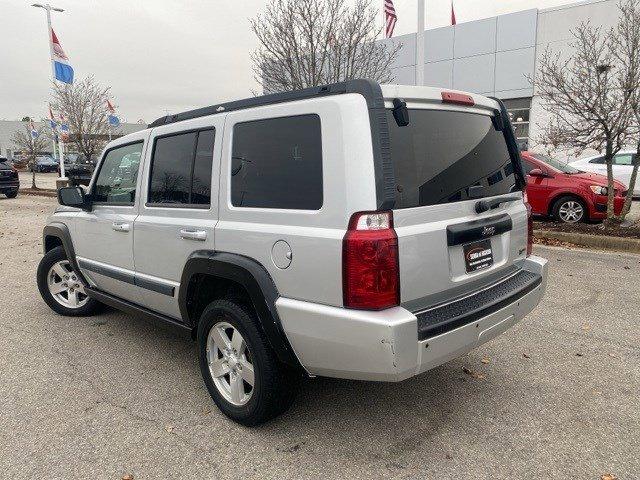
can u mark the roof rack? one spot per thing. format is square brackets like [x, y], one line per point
[367, 88]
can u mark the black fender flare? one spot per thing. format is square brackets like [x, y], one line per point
[251, 275]
[61, 231]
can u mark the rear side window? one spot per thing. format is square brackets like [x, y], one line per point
[277, 163]
[623, 159]
[116, 182]
[441, 154]
[181, 169]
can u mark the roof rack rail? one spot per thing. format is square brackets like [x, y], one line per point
[365, 87]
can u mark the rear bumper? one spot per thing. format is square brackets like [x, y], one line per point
[14, 185]
[385, 346]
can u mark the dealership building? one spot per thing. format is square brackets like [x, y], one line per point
[496, 56]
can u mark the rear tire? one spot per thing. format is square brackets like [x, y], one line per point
[54, 275]
[569, 209]
[244, 377]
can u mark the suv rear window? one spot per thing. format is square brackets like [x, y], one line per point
[277, 163]
[442, 153]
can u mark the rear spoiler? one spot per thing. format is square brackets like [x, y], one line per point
[512, 145]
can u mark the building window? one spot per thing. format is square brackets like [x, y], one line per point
[519, 109]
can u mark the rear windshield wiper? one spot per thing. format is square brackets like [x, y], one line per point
[484, 205]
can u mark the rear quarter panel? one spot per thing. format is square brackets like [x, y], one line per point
[315, 237]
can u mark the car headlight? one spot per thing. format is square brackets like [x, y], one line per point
[598, 190]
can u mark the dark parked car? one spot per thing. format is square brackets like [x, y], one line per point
[44, 163]
[78, 169]
[9, 181]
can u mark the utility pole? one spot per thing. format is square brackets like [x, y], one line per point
[420, 45]
[47, 8]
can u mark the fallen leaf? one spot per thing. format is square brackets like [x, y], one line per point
[526, 355]
[206, 411]
[128, 476]
[472, 373]
[169, 428]
[449, 456]
[608, 476]
[485, 360]
[586, 328]
[579, 354]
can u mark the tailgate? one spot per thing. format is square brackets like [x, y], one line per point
[447, 160]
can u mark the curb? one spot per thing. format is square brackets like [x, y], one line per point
[41, 193]
[618, 244]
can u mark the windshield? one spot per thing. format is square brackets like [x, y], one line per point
[442, 153]
[557, 164]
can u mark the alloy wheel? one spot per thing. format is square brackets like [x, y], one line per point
[230, 363]
[65, 286]
[571, 211]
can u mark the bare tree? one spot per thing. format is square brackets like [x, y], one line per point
[587, 97]
[83, 105]
[303, 43]
[625, 45]
[30, 145]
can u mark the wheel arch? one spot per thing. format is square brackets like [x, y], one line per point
[567, 193]
[252, 277]
[57, 234]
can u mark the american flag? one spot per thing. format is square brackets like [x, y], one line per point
[390, 18]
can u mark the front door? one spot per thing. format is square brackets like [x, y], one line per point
[103, 239]
[180, 208]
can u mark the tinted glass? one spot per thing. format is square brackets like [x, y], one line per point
[528, 166]
[277, 163]
[556, 164]
[116, 182]
[201, 189]
[623, 159]
[171, 168]
[440, 154]
[597, 160]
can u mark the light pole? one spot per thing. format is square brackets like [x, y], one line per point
[47, 8]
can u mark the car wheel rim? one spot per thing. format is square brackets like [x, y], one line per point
[230, 363]
[65, 286]
[571, 211]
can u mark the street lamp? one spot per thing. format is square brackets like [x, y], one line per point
[63, 177]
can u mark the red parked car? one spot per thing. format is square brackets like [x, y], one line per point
[565, 193]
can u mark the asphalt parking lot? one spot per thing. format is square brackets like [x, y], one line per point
[111, 395]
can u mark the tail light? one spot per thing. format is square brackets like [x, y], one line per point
[370, 271]
[529, 224]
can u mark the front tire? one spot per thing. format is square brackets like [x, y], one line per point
[12, 194]
[61, 288]
[239, 368]
[569, 209]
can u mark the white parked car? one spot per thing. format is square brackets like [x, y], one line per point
[622, 166]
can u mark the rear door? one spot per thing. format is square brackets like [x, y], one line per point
[446, 160]
[622, 167]
[179, 210]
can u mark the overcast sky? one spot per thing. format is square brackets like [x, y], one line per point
[163, 55]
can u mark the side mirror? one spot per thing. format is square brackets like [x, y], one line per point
[536, 172]
[73, 197]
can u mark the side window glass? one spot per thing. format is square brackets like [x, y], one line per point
[181, 169]
[116, 182]
[277, 163]
[599, 160]
[623, 159]
[528, 166]
[202, 169]
[171, 168]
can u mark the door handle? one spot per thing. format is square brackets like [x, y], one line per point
[200, 235]
[121, 226]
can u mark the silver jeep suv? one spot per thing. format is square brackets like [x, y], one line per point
[351, 230]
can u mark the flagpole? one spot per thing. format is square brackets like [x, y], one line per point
[47, 8]
[420, 45]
